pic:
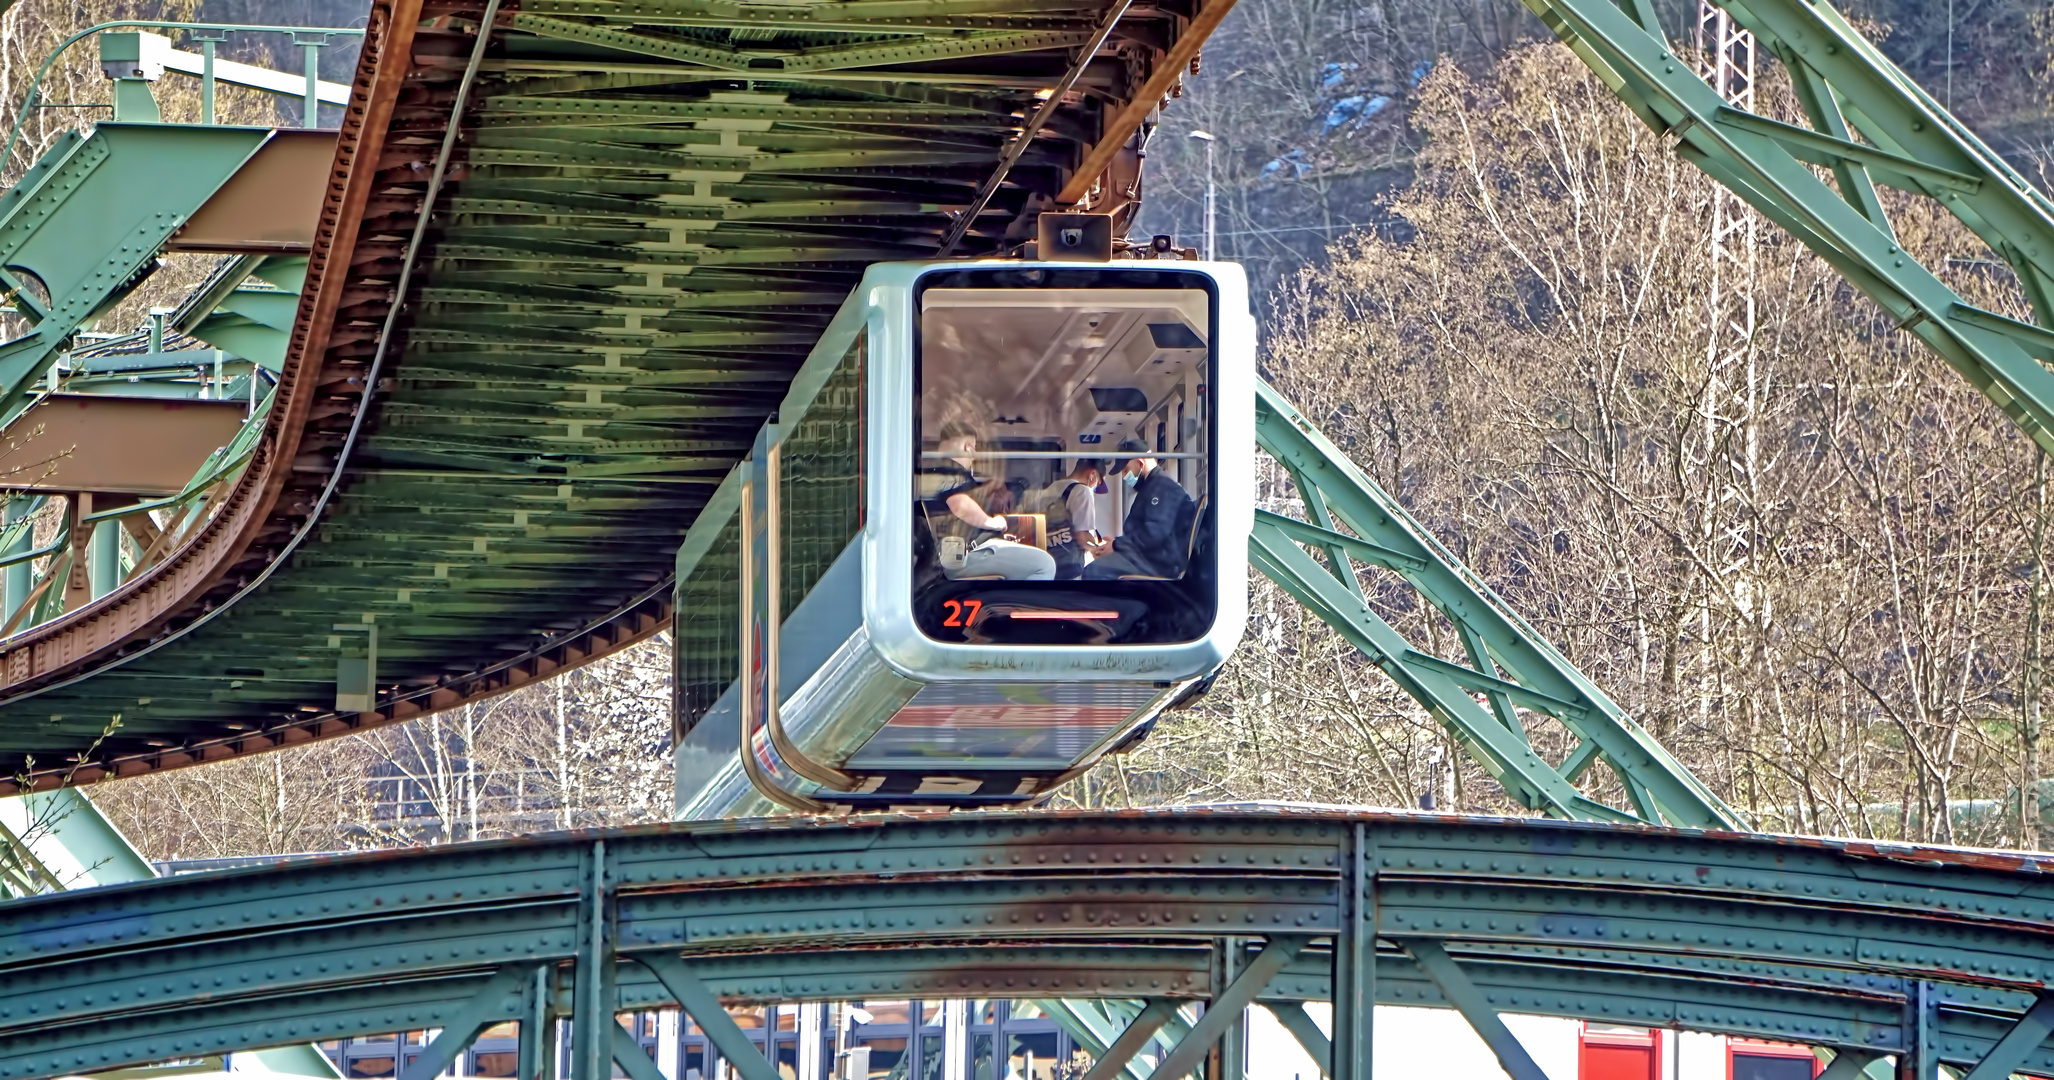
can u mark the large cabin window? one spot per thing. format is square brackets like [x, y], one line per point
[1063, 475]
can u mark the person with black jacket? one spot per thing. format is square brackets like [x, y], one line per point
[1155, 540]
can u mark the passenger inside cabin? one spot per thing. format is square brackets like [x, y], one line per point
[971, 540]
[1155, 541]
[1072, 515]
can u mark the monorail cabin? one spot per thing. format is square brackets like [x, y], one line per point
[1002, 521]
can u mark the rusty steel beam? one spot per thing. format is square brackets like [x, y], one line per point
[119, 445]
[271, 204]
[1824, 942]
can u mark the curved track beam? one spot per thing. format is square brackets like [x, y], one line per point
[1831, 943]
[626, 267]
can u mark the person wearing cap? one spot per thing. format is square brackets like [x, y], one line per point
[1155, 540]
[1072, 515]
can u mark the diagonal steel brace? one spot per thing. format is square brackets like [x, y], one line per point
[1226, 1009]
[1454, 985]
[2017, 1044]
[484, 1007]
[1299, 1023]
[702, 1006]
[1117, 1057]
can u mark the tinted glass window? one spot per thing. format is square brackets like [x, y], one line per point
[1765, 1067]
[1063, 476]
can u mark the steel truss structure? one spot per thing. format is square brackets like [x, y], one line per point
[1870, 124]
[1931, 955]
[1510, 667]
[561, 287]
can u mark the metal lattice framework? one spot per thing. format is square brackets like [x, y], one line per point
[1932, 955]
[1869, 124]
[649, 212]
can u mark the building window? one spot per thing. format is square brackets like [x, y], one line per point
[1747, 1059]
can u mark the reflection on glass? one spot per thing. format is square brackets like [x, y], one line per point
[887, 1057]
[888, 1012]
[694, 1063]
[495, 1063]
[788, 1060]
[787, 1017]
[931, 1057]
[1062, 465]
[1032, 1056]
[981, 1062]
[747, 1016]
[371, 1066]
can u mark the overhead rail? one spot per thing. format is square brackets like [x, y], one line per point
[582, 353]
[1929, 956]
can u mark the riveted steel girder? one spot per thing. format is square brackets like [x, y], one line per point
[652, 208]
[1768, 937]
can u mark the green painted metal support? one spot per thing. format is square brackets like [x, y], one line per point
[1226, 1008]
[595, 984]
[1353, 973]
[1140, 1032]
[1921, 1060]
[1229, 959]
[1294, 1018]
[1850, 1063]
[1549, 918]
[1510, 665]
[461, 1030]
[629, 1055]
[70, 844]
[84, 226]
[535, 1056]
[2017, 1044]
[14, 578]
[1455, 986]
[1849, 88]
[103, 566]
[1090, 1028]
[705, 1009]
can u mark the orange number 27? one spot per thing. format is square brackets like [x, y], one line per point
[962, 613]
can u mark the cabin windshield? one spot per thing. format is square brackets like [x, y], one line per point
[1063, 476]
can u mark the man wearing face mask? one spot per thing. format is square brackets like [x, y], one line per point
[1155, 540]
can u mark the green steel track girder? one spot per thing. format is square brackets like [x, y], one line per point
[1509, 665]
[1822, 942]
[631, 257]
[1907, 139]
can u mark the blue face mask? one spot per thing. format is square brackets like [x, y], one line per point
[1130, 479]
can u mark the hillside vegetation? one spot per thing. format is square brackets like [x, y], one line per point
[1817, 573]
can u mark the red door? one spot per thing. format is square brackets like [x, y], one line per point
[1616, 1052]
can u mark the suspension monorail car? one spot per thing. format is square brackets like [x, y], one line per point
[999, 524]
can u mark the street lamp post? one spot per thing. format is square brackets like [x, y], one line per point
[1212, 194]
